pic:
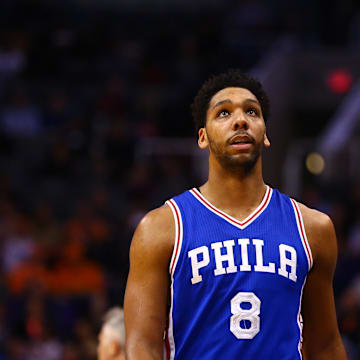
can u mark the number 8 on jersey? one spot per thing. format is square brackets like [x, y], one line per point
[250, 315]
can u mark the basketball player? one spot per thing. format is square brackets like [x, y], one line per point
[111, 344]
[247, 272]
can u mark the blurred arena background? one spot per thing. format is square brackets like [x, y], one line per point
[95, 130]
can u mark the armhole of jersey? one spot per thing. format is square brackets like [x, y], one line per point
[178, 235]
[302, 233]
[300, 321]
[170, 341]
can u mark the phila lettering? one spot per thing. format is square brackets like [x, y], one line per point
[225, 260]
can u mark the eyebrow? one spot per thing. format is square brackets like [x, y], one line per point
[229, 101]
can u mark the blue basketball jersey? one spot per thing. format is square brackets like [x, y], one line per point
[236, 286]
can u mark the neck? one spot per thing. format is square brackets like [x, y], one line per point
[228, 189]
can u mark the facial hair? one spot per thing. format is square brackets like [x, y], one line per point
[232, 162]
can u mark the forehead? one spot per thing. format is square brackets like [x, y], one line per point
[235, 94]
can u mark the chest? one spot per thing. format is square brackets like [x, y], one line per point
[221, 258]
[216, 248]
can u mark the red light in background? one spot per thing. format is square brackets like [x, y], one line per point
[339, 81]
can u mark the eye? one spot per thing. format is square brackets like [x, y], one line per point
[253, 112]
[222, 113]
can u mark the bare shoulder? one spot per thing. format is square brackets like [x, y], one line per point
[155, 234]
[148, 284]
[320, 232]
[314, 220]
[321, 338]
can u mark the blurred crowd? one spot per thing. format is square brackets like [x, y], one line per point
[78, 95]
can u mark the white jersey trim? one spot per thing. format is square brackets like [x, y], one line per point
[174, 259]
[239, 224]
[302, 233]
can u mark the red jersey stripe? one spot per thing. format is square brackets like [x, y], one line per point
[302, 232]
[248, 220]
[178, 232]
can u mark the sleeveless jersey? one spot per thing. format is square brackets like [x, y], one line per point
[236, 286]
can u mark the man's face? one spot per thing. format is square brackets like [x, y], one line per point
[235, 131]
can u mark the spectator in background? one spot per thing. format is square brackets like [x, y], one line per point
[12, 55]
[57, 111]
[21, 118]
[18, 243]
[112, 336]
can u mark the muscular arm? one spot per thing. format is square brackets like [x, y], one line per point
[320, 333]
[148, 285]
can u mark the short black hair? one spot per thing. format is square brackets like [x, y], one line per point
[231, 78]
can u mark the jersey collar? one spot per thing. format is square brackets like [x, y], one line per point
[240, 224]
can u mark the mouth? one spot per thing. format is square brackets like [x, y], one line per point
[243, 139]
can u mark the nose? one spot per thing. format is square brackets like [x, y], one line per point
[240, 121]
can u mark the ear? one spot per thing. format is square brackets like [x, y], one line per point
[266, 141]
[202, 139]
[114, 348]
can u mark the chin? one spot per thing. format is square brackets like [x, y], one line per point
[240, 162]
